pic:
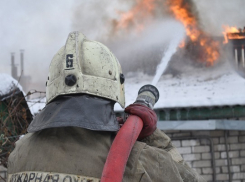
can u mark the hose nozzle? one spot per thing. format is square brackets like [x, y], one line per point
[148, 95]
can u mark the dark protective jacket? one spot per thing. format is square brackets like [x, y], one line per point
[72, 154]
[63, 146]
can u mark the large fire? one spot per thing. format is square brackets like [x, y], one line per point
[232, 33]
[134, 17]
[182, 12]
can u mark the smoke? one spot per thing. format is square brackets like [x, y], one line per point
[143, 52]
[131, 29]
[41, 28]
[214, 14]
[95, 17]
[137, 49]
[118, 18]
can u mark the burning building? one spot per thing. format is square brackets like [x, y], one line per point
[237, 38]
[203, 112]
[204, 116]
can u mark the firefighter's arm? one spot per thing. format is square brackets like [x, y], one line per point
[158, 139]
[161, 164]
[160, 144]
[187, 173]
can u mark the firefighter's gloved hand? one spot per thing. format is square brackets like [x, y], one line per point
[148, 117]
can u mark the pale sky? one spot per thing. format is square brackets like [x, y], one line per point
[38, 27]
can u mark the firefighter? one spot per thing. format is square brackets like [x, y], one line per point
[68, 141]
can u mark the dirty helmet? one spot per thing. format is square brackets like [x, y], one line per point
[88, 77]
[85, 66]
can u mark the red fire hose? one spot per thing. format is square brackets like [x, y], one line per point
[121, 147]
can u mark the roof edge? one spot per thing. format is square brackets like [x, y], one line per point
[202, 125]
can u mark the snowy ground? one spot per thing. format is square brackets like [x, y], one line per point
[198, 88]
[36, 105]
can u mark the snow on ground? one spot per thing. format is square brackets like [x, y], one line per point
[36, 105]
[8, 83]
[197, 89]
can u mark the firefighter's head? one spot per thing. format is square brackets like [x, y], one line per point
[87, 67]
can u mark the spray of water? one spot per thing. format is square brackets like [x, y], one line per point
[167, 55]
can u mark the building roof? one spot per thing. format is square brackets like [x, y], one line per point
[202, 88]
[7, 84]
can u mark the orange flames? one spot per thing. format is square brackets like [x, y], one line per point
[136, 16]
[182, 12]
[181, 9]
[232, 33]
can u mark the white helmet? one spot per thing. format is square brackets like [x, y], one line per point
[84, 66]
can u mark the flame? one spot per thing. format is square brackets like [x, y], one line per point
[182, 12]
[232, 33]
[137, 16]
